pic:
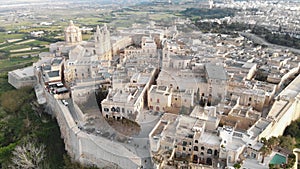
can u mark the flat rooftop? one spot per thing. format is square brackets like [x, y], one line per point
[56, 61]
[215, 72]
[210, 138]
[258, 127]
[277, 108]
[23, 73]
[53, 73]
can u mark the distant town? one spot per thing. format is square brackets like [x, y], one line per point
[203, 84]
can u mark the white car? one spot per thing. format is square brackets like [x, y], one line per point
[65, 102]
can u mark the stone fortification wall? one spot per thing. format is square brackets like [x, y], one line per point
[287, 115]
[87, 148]
[285, 110]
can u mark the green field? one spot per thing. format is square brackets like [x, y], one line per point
[4, 36]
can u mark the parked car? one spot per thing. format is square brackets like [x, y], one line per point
[65, 102]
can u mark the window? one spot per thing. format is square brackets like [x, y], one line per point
[183, 148]
[250, 99]
[150, 99]
[202, 148]
[157, 100]
[196, 141]
[106, 109]
[195, 148]
[209, 151]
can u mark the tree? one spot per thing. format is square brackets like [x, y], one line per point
[273, 142]
[29, 155]
[263, 140]
[265, 150]
[237, 165]
[287, 142]
[13, 100]
[293, 129]
[291, 160]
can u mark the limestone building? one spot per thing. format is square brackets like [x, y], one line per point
[147, 47]
[103, 45]
[22, 77]
[159, 98]
[72, 34]
[217, 82]
[129, 97]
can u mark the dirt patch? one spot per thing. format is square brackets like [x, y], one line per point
[125, 126]
[240, 123]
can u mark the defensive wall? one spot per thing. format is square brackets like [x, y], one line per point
[88, 148]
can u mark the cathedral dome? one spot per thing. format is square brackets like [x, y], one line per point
[72, 34]
[72, 28]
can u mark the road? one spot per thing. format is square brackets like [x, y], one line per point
[72, 110]
[261, 41]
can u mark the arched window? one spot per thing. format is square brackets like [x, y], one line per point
[195, 148]
[196, 141]
[202, 148]
[209, 151]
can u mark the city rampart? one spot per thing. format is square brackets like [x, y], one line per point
[88, 148]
